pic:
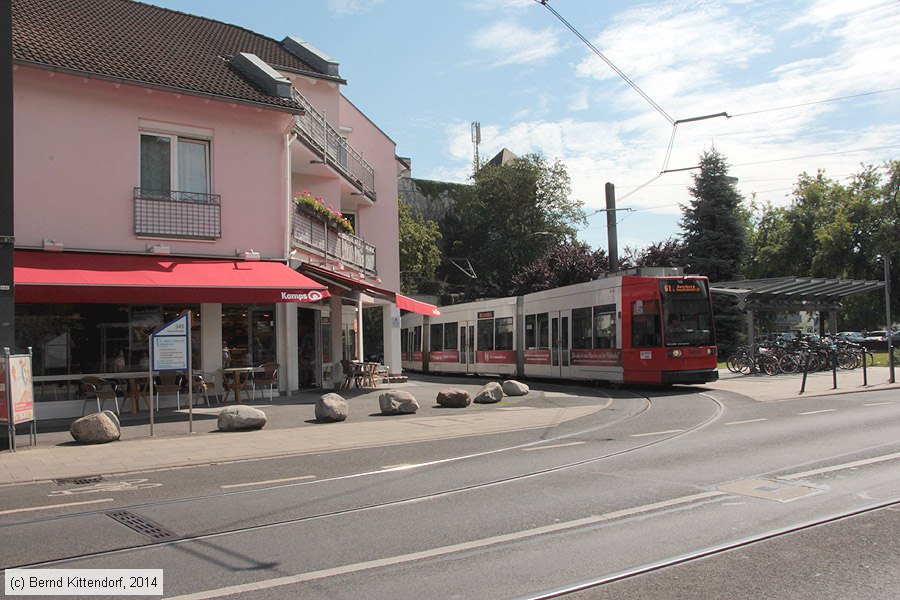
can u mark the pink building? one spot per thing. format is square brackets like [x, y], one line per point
[158, 156]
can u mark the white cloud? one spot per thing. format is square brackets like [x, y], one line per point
[352, 7]
[511, 43]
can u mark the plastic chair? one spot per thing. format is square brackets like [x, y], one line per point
[100, 390]
[169, 382]
[269, 377]
[349, 374]
[203, 386]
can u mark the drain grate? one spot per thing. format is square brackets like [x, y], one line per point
[138, 523]
[83, 480]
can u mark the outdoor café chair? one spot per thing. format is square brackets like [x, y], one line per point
[100, 390]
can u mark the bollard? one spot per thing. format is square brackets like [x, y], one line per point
[805, 371]
[865, 374]
[833, 358]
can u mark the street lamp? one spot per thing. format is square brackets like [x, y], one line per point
[887, 304]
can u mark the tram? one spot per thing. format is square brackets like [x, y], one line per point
[624, 328]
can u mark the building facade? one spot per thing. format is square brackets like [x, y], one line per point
[165, 162]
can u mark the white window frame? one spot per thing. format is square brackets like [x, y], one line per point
[176, 134]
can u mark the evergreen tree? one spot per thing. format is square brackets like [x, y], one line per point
[715, 241]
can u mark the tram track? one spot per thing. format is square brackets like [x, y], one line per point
[584, 587]
[499, 481]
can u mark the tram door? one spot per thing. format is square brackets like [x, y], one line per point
[466, 347]
[559, 342]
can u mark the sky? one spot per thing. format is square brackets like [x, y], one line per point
[808, 85]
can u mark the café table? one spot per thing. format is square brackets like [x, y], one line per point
[135, 389]
[240, 376]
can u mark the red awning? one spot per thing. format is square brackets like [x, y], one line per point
[403, 302]
[417, 306]
[133, 279]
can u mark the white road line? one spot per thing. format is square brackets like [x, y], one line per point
[553, 446]
[657, 433]
[748, 421]
[52, 506]
[818, 412]
[877, 403]
[250, 483]
[850, 465]
[465, 546]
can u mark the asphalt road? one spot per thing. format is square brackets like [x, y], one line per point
[651, 477]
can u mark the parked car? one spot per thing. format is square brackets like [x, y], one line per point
[850, 336]
[876, 336]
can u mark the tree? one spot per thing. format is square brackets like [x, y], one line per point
[566, 264]
[667, 253]
[838, 231]
[419, 253]
[715, 240]
[516, 214]
[714, 223]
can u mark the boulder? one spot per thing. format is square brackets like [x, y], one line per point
[97, 428]
[490, 393]
[332, 407]
[397, 402]
[454, 398]
[241, 418]
[511, 387]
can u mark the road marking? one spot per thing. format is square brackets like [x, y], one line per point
[657, 433]
[52, 506]
[442, 551]
[818, 412]
[748, 421]
[850, 465]
[553, 446]
[877, 403]
[248, 484]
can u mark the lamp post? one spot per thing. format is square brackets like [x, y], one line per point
[887, 304]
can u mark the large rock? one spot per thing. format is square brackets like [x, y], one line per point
[490, 393]
[454, 398]
[241, 418]
[397, 402]
[511, 387]
[332, 407]
[98, 428]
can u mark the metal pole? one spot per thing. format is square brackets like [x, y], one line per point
[887, 306]
[7, 239]
[612, 235]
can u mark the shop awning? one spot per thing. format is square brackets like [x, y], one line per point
[333, 278]
[417, 306]
[135, 279]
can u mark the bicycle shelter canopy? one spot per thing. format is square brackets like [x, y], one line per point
[792, 294]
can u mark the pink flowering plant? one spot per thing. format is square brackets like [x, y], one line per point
[326, 211]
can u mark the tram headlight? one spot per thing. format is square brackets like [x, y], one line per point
[673, 353]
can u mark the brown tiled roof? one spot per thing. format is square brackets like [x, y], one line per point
[149, 45]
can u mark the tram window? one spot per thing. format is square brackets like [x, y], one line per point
[543, 330]
[486, 334]
[581, 328]
[437, 338]
[646, 331]
[504, 333]
[605, 326]
[417, 338]
[404, 344]
[450, 336]
[530, 332]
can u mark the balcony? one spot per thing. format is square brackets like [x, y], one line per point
[334, 149]
[311, 233]
[174, 214]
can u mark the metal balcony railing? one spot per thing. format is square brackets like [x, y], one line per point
[311, 233]
[175, 214]
[334, 149]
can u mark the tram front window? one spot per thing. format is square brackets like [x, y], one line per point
[688, 323]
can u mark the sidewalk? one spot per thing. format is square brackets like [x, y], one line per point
[292, 430]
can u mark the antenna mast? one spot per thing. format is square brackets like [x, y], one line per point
[476, 139]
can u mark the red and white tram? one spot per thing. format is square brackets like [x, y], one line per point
[629, 329]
